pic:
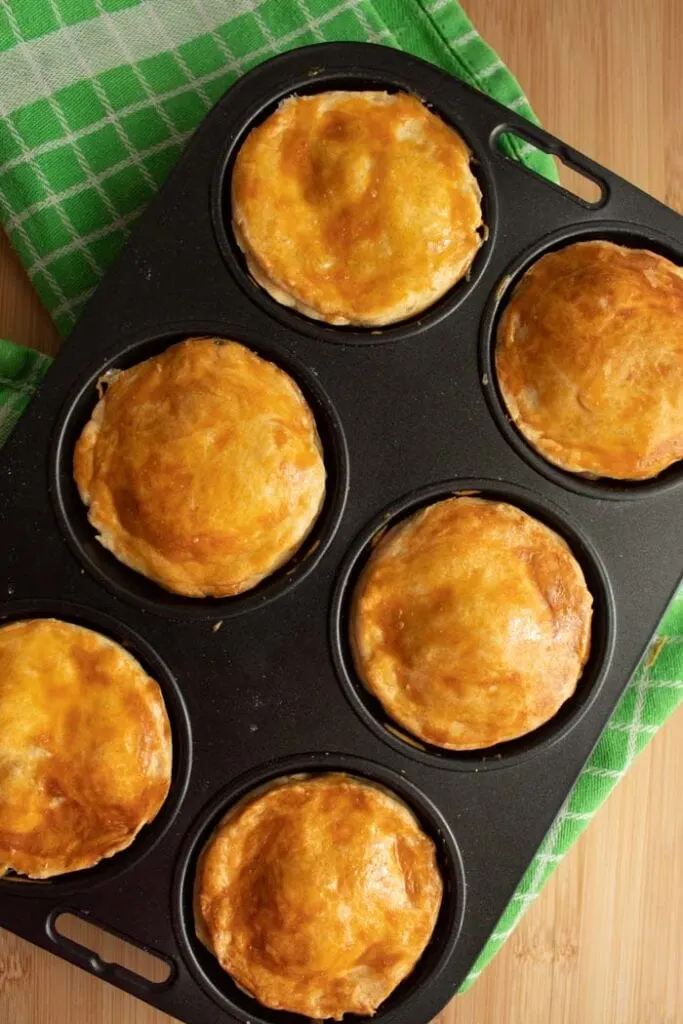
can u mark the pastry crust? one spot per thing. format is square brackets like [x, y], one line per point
[319, 895]
[356, 207]
[85, 748]
[202, 468]
[471, 623]
[589, 360]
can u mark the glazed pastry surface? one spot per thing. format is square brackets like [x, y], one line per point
[589, 360]
[471, 623]
[202, 468]
[356, 207]
[85, 748]
[318, 895]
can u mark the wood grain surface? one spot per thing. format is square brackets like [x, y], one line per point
[604, 943]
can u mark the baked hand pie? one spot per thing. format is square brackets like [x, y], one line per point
[319, 895]
[471, 623]
[202, 468]
[589, 360]
[356, 207]
[85, 748]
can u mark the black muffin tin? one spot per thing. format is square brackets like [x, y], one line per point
[262, 685]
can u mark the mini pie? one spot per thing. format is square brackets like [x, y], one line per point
[85, 748]
[319, 895]
[589, 360]
[356, 207]
[202, 468]
[471, 623]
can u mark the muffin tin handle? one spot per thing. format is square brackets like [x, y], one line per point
[572, 158]
[111, 971]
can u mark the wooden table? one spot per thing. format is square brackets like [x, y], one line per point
[604, 943]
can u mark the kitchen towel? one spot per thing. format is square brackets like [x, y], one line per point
[97, 98]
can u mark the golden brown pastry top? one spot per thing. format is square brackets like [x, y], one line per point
[319, 895]
[590, 360]
[85, 748]
[471, 623]
[356, 207]
[202, 468]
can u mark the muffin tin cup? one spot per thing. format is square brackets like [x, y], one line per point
[133, 586]
[111, 868]
[253, 680]
[630, 235]
[258, 103]
[502, 755]
[438, 953]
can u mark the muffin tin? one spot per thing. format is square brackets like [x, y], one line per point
[261, 685]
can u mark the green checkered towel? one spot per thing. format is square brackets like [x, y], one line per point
[97, 98]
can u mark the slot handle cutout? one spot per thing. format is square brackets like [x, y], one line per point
[107, 954]
[577, 176]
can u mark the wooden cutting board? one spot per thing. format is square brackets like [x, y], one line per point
[604, 943]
